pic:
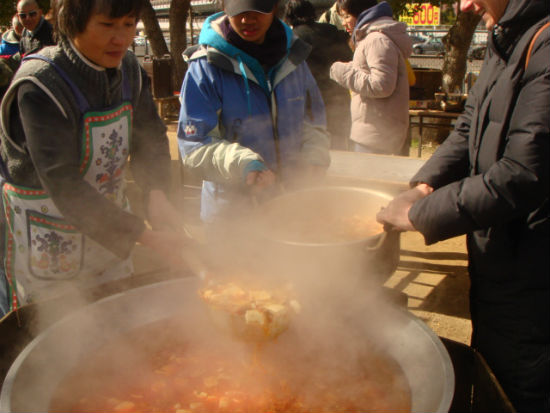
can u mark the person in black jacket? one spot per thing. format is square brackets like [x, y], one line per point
[38, 32]
[490, 180]
[328, 46]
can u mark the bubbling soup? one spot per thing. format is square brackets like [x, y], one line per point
[160, 367]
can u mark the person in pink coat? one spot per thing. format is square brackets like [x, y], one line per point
[377, 77]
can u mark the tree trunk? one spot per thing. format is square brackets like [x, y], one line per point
[457, 42]
[153, 30]
[178, 38]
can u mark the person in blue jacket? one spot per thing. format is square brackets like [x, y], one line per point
[10, 39]
[251, 112]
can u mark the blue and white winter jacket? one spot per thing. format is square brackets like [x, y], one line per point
[235, 118]
[9, 44]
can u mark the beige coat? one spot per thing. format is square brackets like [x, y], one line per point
[377, 78]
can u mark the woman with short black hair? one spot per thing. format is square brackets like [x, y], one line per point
[73, 116]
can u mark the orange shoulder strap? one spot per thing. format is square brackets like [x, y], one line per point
[530, 49]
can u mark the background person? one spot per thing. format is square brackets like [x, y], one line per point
[251, 110]
[328, 46]
[71, 119]
[377, 77]
[38, 32]
[332, 16]
[490, 180]
[9, 54]
[10, 39]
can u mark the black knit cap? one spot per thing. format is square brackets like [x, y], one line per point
[234, 7]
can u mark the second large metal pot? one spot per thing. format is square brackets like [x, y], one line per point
[375, 255]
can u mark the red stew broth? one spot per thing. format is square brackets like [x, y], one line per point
[159, 368]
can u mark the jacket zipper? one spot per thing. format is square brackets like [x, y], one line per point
[274, 116]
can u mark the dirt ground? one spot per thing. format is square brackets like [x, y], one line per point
[435, 280]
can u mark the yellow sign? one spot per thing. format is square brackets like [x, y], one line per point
[427, 15]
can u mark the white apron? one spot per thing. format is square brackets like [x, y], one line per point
[44, 255]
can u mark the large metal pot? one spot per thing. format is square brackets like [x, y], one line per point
[40, 367]
[376, 255]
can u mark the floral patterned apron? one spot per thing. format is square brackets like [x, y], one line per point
[44, 255]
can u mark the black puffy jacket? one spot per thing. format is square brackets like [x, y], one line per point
[491, 177]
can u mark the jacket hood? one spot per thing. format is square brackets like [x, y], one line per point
[382, 9]
[519, 15]
[211, 35]
[396, 31]
[10, 37]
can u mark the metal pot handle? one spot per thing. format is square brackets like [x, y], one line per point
[378, 243]
[384, 254]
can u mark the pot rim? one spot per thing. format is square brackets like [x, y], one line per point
[366, 240]
[369, 239]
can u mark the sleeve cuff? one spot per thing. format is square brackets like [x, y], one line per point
[254, 165]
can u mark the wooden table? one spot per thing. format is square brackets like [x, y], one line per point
[422, 123]
[388, 173]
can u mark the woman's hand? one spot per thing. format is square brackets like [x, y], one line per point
[338, 71]
[260, 180]
[396, 215]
